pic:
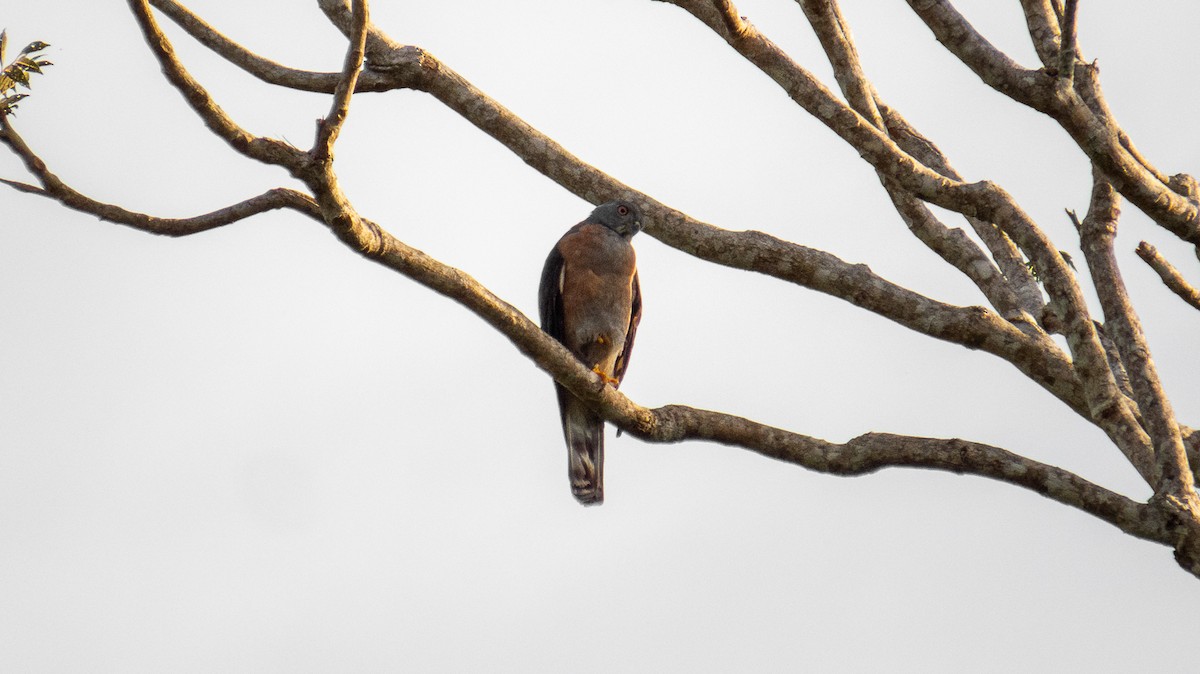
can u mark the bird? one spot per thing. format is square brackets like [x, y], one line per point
[590, 300]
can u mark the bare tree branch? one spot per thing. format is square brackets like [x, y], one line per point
[1069, 50]
[986, 200]
[1042, 22]
[873, 451]
[1098, 136]
[1030, 87]
[262, 68]
[1005, 253]
[235, 53]
[1099, 229]
[329, 128]
[1169, 274]
[266, 150]
[729, 14]
[952, 245]
[55, 188]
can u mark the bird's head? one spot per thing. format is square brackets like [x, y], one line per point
[620, 216]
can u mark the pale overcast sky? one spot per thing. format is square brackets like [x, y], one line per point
[252, 451]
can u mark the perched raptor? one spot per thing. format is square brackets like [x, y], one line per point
[589, 300]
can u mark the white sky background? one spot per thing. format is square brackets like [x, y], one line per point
[250, 450]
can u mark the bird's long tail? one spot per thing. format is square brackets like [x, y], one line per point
[584, 432]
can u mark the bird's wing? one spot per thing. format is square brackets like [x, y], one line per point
[550, 310]
[550, 299]
[635, 317]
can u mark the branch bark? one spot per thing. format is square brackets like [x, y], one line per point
[1169, 274]
[1098, 231]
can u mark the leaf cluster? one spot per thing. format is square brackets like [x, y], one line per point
[17, 73]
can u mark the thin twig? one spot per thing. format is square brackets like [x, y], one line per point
[329, 127]
[266, 150]
[264, 68]
[54, 188]
[1169, 274]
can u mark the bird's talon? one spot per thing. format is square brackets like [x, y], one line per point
[605, 378]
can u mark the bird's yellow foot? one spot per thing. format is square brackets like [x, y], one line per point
[604, 375]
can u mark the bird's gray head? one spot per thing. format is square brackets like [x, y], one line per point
[620, 216]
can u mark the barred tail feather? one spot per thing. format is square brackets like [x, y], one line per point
[584, 432]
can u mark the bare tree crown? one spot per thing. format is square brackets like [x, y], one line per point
[1030, 293]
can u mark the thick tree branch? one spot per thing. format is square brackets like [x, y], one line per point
[873, 451]
[729, 14]
[1169, 274]
[1069, 49]
[1042, 22]
[1098, 231]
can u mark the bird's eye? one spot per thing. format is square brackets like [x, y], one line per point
[622, 210]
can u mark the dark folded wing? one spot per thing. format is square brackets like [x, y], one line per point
[550, 301]
[550, 311]
[635, 317]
